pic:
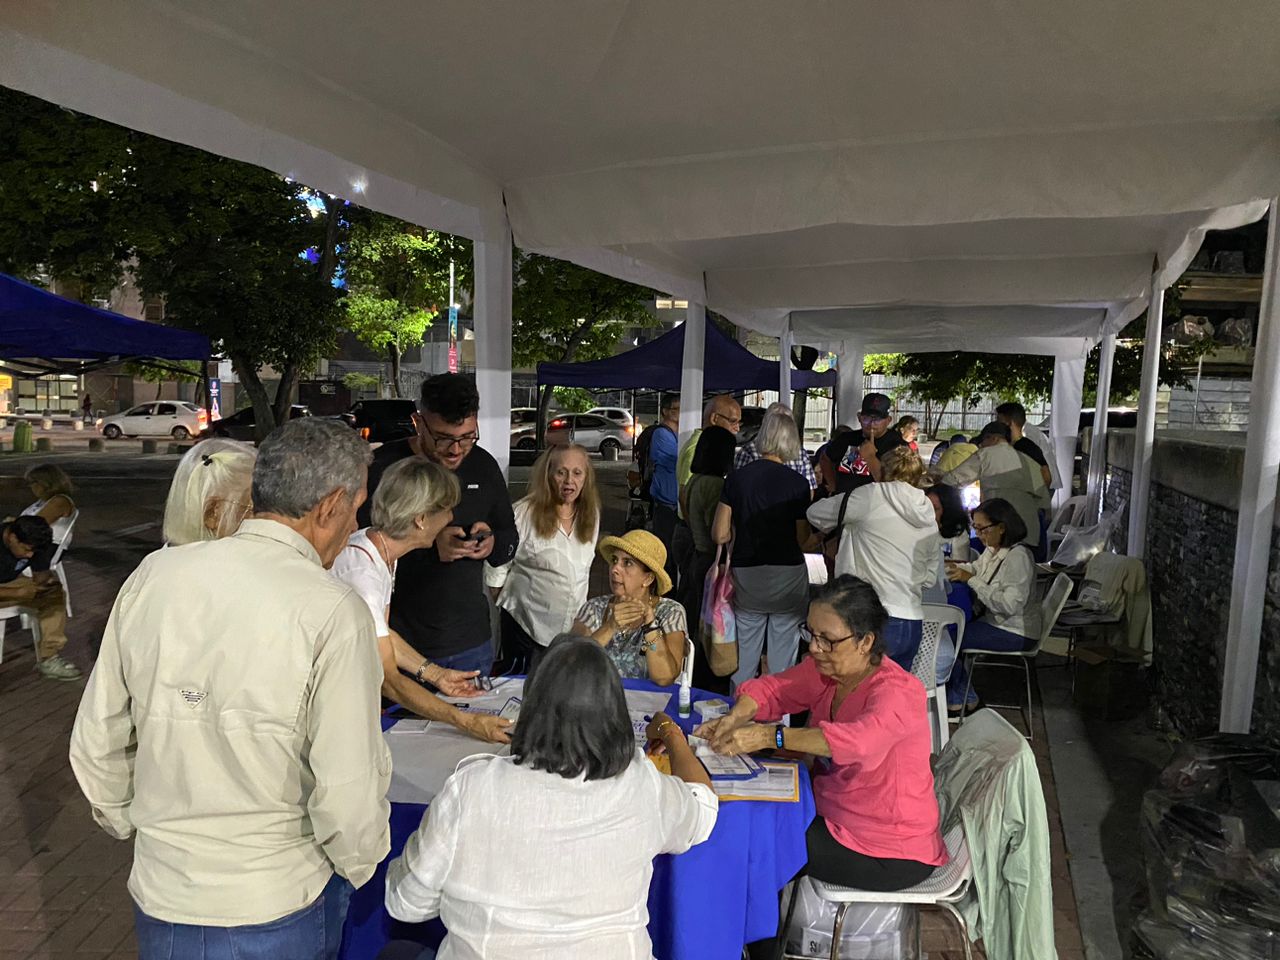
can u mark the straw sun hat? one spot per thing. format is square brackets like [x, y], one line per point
[646, 548]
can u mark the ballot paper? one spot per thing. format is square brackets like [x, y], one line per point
[640, 724]
[490, 701]
[424, 755]
[647, 701]
[720, 767]
[779, 782]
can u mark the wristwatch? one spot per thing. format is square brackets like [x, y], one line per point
[777, 736]
[421, 674]
[648, 628]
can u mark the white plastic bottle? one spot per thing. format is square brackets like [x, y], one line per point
[686, 699]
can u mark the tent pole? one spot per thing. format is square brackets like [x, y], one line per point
[695, 348]
[1145, 439]
[1101, 411]
[1064, 416]
[784, 364]
[849, 381]
[492, 308]
[1255, 528]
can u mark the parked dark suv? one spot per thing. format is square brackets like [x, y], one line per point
[240, 425]
[379, 421]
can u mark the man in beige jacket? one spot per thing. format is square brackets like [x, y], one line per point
[231, 723]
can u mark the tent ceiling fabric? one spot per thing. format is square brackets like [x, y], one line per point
[757, 156]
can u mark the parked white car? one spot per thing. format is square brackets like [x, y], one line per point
[616, 414]
[161, 418]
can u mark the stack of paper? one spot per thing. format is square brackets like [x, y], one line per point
[778, 783]
[424, 755]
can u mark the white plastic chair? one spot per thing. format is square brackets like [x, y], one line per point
[686, 671]
[1070, 514]
[63, 531]
[29, 621]
[944, 888]
[937, 617]
[1050, 609]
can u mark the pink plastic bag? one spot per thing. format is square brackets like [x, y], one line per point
[717, 627]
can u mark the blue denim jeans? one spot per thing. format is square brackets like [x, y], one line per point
[477, 658]
[902, 640]
[312, 933]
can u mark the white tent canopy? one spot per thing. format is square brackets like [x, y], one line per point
[976, 167]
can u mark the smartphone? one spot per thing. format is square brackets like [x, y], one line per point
[480, 536]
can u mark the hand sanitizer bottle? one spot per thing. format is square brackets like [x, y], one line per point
[686, 698]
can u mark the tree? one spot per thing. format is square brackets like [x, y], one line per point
[574, 399]
[397, 278]
[171, 371]
[226, 245]
[562, 312]
[61, 179]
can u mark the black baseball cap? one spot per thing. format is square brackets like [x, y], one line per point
[996, 429]
[876, 405]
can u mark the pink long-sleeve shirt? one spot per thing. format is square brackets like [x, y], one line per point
[876, 790]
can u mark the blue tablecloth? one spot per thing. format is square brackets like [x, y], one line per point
[706, 903]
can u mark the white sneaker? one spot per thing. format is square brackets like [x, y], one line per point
[56, 668]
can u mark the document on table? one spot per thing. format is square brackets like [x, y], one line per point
[721, 767]
[646, 701]
[491, 701]
[778, 783]
[424, 755]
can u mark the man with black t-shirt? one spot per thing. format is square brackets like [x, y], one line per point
[439, 604]
[854, 458]
[1014, 416]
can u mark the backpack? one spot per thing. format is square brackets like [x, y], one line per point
[643, 445]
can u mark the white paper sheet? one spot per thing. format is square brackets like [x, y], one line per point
[422, 759]
[646, 701]
[491, 701]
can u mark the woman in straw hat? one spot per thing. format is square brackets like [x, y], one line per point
[642, 631]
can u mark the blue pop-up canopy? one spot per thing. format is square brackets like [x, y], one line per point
[36, 325]
[727, 366]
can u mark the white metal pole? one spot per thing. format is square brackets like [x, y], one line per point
[1101, 409]
[1145, 440]
[1257, 505]
[493, 344]
[853, 357]
[1064, 416]
[784, 364]
[691, 370]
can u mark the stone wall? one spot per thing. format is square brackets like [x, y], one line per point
[1190, 550]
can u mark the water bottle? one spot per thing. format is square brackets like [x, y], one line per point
[686, 699]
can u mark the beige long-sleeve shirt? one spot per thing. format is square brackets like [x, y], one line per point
[231, 722]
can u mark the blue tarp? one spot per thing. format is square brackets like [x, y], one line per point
[36, 324]
[728, 366]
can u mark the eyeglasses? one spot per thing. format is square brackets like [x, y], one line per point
[820, 642]
[444, 443]
[732, 421]
[977, 529]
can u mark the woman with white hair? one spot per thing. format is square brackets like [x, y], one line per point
[414, 501]
[762, 512]
[211, 492]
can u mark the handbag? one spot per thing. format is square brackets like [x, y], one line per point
[717, 627]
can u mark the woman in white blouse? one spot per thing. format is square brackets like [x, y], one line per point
[545, 584]
[413, 502]
[1003, 581]
[547, 854]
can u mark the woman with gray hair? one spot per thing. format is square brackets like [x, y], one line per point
[210, 495]
[413, 503]
[762, 515]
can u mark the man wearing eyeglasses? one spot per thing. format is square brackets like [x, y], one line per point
[720, 411]
[439, 603]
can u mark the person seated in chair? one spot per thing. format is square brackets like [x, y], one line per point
[1003, 581]
[28, 544]
[877, 824]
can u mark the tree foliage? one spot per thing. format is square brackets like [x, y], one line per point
[397, 278]
[574, 399]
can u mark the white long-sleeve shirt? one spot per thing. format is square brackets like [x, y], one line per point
[1009, 475]
[890, 539]
[546, 583]
[1004, 581]
[231, 722]
[522, 864]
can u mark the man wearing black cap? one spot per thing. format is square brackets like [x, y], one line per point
[854, 458]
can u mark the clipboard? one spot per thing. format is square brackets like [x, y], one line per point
[779, 783]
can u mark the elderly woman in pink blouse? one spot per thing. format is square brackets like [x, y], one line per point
[877, 823]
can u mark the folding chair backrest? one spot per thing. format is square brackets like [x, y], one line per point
[925, 665]
[946, 615]
[686, 672]
[1051, 606]
[62, 532]
[1070, 514]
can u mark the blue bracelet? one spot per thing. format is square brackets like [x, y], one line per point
[777, 735]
